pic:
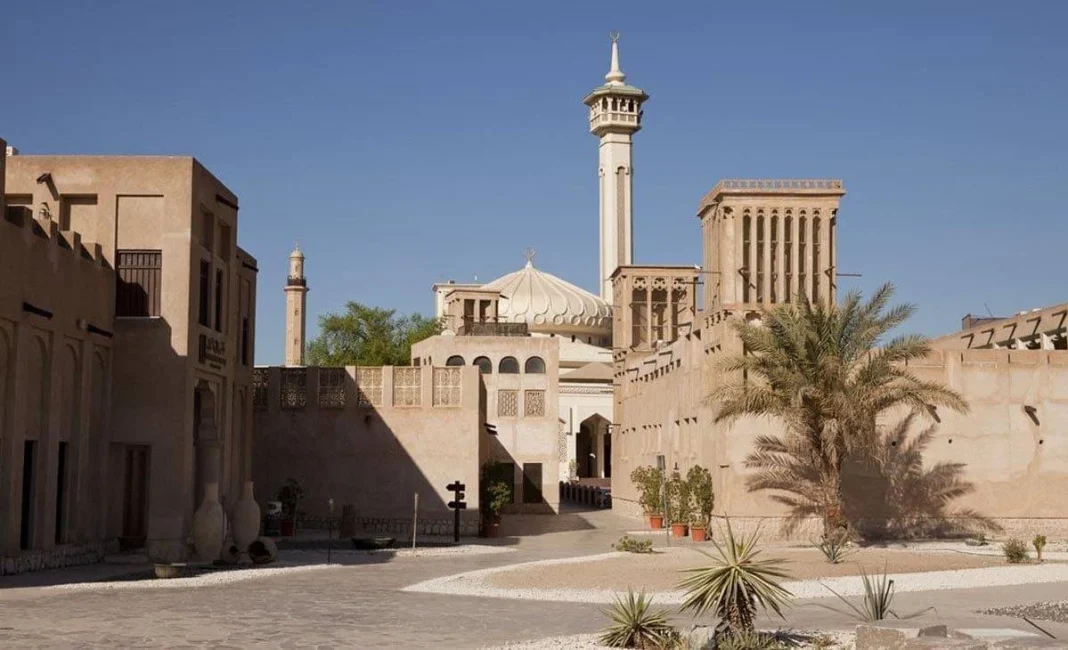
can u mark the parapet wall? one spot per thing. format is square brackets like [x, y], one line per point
[370, 437]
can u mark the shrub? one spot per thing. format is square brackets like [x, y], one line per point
[1039, 543]
[750, 641]
[649, 481]
[878, 597]
[736, 583]
[290, 495]
[679, 499]
[628, 544]
[1015, 551]
[834, 547]
[635, 625]
[702, 497]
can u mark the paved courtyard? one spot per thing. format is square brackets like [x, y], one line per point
[359, 604]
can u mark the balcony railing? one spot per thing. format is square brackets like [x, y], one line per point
[492, 328]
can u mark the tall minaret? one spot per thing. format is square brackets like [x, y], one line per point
[296, 317]
[615, 116]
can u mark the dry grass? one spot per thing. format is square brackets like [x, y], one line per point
[660, 571]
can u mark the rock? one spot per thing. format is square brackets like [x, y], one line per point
[887, 635]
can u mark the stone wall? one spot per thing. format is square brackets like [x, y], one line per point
[55, 558]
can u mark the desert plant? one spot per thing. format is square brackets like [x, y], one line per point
[649, 481]
[835, 547]
[736, 583]
[878, 597]
[750, 641]
[499, 495]
[290, 495]
[824, 370]
[1015, 551]
[628, 544]
[1039, 543]
[678, 492]
[702, 497]
[635, 625]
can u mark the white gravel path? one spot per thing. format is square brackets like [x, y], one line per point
[475, 583]
[215, 578]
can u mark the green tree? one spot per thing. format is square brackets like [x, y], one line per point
[368, 336]
[820, 369]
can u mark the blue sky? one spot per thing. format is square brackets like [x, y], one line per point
[404, 143]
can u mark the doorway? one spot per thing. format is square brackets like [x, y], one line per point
[29, 484]
[135, 497]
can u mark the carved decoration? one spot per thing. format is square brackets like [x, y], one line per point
[447, 384]
[259, 388]
[641, 283]
[407, 386]
[534, 403]
[294, 393]
[332, 388]
[507, 403]
[659, 284]
[369, 386]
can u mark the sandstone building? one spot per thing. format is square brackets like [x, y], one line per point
[127, 325]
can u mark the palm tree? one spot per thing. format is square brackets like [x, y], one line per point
[818, 369]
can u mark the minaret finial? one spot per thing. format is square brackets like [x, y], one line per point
[529, 253]
[615, 75]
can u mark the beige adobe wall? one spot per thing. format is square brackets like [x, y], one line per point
[521, 438]
[56, 326]
[159, 203]
[372, 456]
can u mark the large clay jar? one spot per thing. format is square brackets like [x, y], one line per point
[209, 525]
[246, 523]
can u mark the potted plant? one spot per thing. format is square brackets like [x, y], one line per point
[679, 502]
[649, 482]
[290, 496]
[498, 495]
[702, 500]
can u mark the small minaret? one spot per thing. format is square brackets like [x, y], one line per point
[615, 116]
[296, 315]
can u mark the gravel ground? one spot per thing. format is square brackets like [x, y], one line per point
[480, 583]
[1056, 611]
[222, 577]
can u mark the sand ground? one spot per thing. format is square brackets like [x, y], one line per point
[662, 570]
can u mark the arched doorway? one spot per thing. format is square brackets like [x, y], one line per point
[593, 448]
[205, 441]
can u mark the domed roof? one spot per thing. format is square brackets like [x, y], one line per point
[550, 305]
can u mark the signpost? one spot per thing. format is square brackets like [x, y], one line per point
[457, 504]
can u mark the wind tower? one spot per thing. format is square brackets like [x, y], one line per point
[615, 116]
[296, 314]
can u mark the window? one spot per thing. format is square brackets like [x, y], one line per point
[138, 291]
[219, 280]
[498, 472]
[507, 403]
[454, 360]
[534, 403]
[332, 388]
[802, 277]
[207, 233]
[531, 482]
[407, 386]
[815, 259]
[245, 333]
[788, 264]
[638, 316]
[760, 259]
[205, 293]
[508, 366]
[747, 227]
[534, 365]
[484, 364]
[447, 385]
[659, 303]
[774, 247]
[259, 388]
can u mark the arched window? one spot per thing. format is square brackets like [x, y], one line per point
[455, 360]
[484, 364]
[534, 365]
[508, 366]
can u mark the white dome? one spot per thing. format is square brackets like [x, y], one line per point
[549, 305]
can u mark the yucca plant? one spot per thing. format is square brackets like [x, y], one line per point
[737, 583]
[1039, 543]
[878, 597]
[834, 547]
[636, 625]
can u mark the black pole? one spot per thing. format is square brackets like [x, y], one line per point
[456, 525]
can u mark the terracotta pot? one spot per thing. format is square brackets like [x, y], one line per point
[492, 529]
[697, 533]
[656, 522]
[209, 525]
[246, 524]
[678, 530]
